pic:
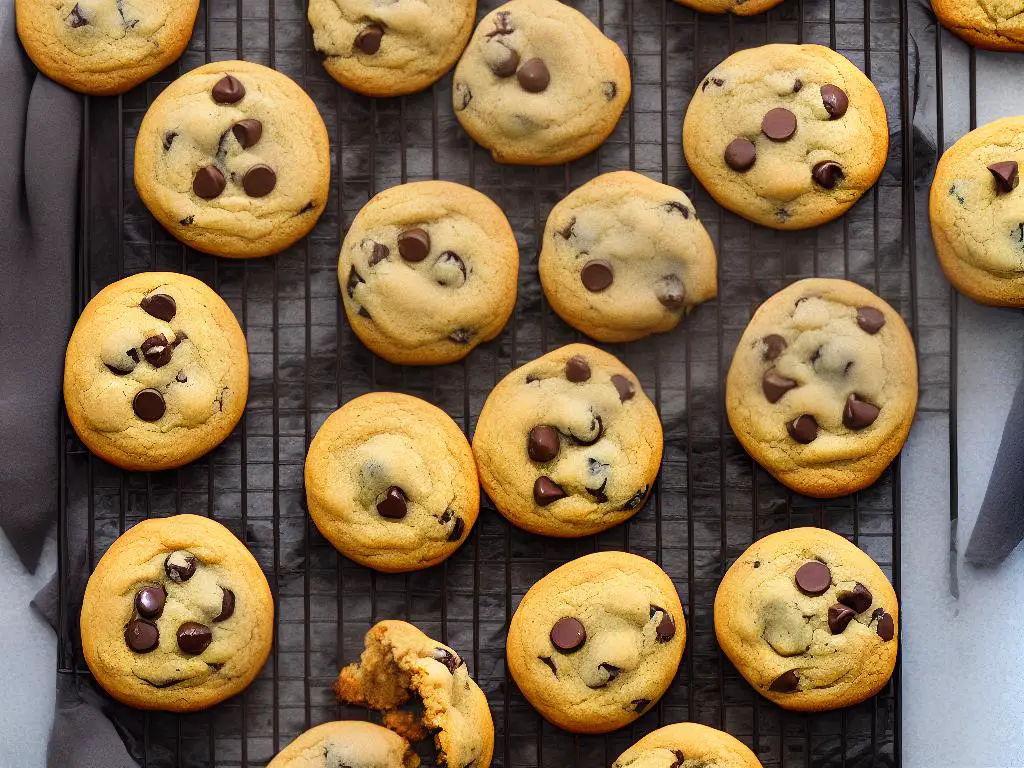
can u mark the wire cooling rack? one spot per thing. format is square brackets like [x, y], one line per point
[711, 500]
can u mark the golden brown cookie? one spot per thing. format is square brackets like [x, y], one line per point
[738, 7]
[994, 24]
[686, 745]
[347, 744]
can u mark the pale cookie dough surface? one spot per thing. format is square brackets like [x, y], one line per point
[688, 745]
[782, 182]
[104, 47]
[738, 7]
[391, 482]
[428, 271]
[568, 444]
[193, 131]
[624, 623]
[156, 373]
[978, 222]
[809, 620]
[994, 24]
[578, 83]
[807, 351]
[401, 664]
[347, 744]
[624, 256]
[390, 48]
[194, 605]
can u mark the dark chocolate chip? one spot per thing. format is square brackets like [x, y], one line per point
[354, 279]
[227, 605]
[149, 602]
[160, 305]
[803, 429]
[141, 636]
[208, 183]
[774, 345]
[828, 174]
[813, 578]
[157, 350]
[835, 100]
[507, 66]
[624, 387]
[598, 493]
[568, 634]
[502, 24]
[149, 405]
[680, 758]
[182, 568]
[457, 530]
[247, 132]
[636, 499]
[639, 705]
[798, 85]
[859, 598]
[543, 443]
[368, 39]
[449, 659]
[671, 293]
[611, 89]
[187, 221]
[787, 682]
[612, 670]
[870, 319]
[740, 155]
[596, 275]
[394, 505]
[839, 616]
[779, 124]
[259, 181]
[547, 491]
[461, 335]
[76, 18]
[169, 138]
[1005, 175]
[194, 638]
[533, 76]
[666, 629]
[380, 253]
[451, 258]
[577, 369]
[414, 244]
[465, 94]
[676, 206]
[775, 385]
[228, 90]
[886, 627]
[858, 413]
[567, 230]
[550, 664]
[306, 208]
[757, 563]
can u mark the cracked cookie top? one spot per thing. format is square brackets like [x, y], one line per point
[347, 744]
[994, 24]
[156, 373]
[104, 47]
[809, 620]
[177, 615]
[233, 159]
[822, 387]
[624, 256]
[688, 745]
[977, 213]
[391, 482]
[428, 271]
[788, 136]
[568, 444]
[540, 84]
[597, 641]
[390, 48]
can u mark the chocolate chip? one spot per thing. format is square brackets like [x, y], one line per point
[169, 138]
[568, 634]
[542, 444]
[187, 221]
[775, 385]
[870, 319]
[677, 207]
[457, 530]
[194, 638]
[639, 705]
[612, 670]
[465, 94]
[447, 263]
[157, 351]
[414, 244]
[885, 628]
[598, 493]
[779, 124]
[533, 76]
[757, 563]
[121, 368]
[449, 659]
[550, 664]
[461, 335]
[141, 636]
[839, 616]
[507, 66]
[259, 181]
[611, 90]
[596, 430]
[547, 491]
[502, 24]
[671, 293]
[798, 85]
[666, 629]
[160, 305]
[787, 682]
[596, 275]
[835, 100]
[1005, 175]
[208, 183]
[813, 578]
[774, 345]
[149, 602]
[180, 566]
[635, 500]
[624, 387]
[76, 18]
[379, 253]
[680, 758]
[859, 598]
[394, 505]
[368, 39]
[247, 132]
[149, 405]
[227, 605]
[828, 174]
[354, 279]
[577, 369]
[740, 155]
[858, 413]
[804, 429]
[228, 90]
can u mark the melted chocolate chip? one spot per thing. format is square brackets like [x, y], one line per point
[160, 305]
[787, 682]
[803, 429]
[598, 493]
[568, 634]
[149, 602]
[76, 18]
[368, 39]
[380, 253]
[596, 275]
[141, 636]
[636, 499]
[228, 90]
[858, 413]
[680, 758]
[394, 505]
[157, 351]
[828, 174]
[839, 616]
[775, 385]
[547, 491]
[666, 628]
[774, 345]
[414, 244]
[813, 578]
[227, 605]
[354, 279]
[550, 664]
[798, 85]
[1005, 176]
[577, 370]
[533, 76]
[596, 429]
[859, 598]
[259, 181]
[208, 182]
[671, 293]
[180, 566]
[835, 100]
[567, 230]
[677, 207]
[149, 405]
[457, 530]
[169, 138]
[779, 124]
[449, 659]
[194, 638]
[624, 387]
[542, 444]
[639, 705]
[502, 24]
[187, 221]
[886, 627]
[613, 673]
[870, 319]
[247, 132]
[448, 262]
[507, 66]
[740, 155]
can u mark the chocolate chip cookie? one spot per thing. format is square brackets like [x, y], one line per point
[390, 49]
[998, 26]
[104, 47]
[788, 136]
[539, 84]
[347, 744]
[428, 271]
[977, 213]
[809, 620]
[391, 482]
[233, 159]
[177, 615]
[400, 664]
[682, 745]
[823, 386]
[156, 372]
[738, 7]
[624, 256]
[568, 444]
[596, 642]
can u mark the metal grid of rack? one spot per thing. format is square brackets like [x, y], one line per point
[711, 500]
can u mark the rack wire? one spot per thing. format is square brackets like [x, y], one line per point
[710, 501]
